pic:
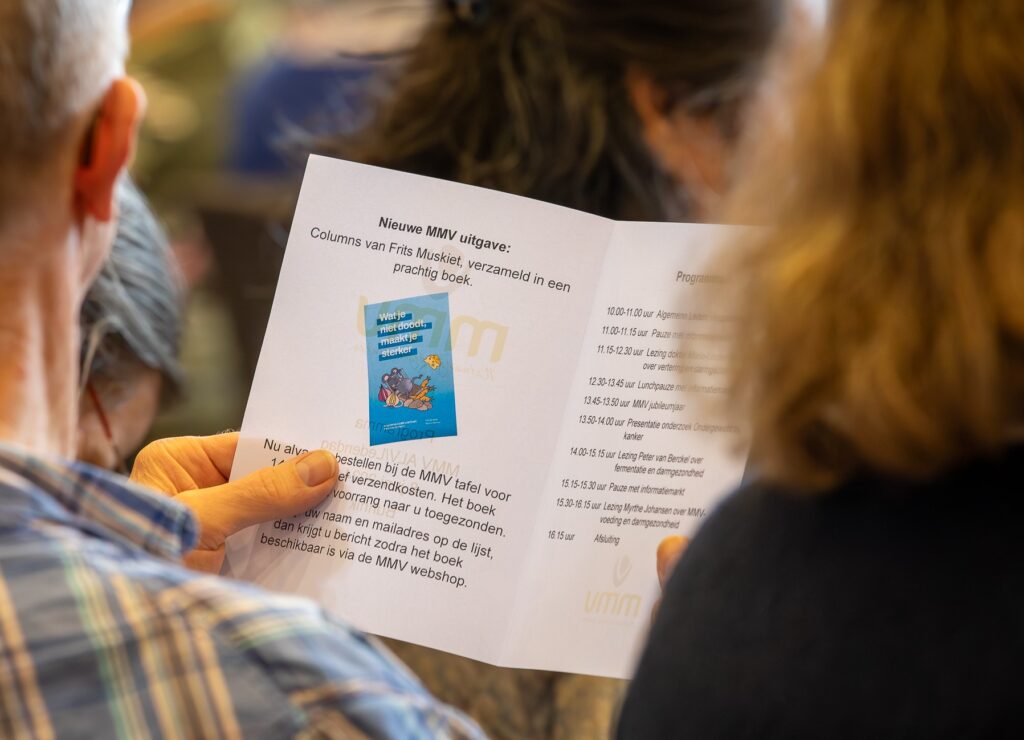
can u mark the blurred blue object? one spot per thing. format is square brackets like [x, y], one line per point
[282, 101]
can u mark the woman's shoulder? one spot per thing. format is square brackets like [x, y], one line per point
[793, 615]
[978, 495]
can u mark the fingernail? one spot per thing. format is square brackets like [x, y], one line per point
[316, 468]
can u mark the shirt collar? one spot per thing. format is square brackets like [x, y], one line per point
[85, 495]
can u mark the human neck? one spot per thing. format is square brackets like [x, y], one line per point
[39, 303]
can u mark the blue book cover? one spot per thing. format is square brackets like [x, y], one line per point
[409, 360]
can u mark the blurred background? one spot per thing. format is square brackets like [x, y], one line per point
[236, 89]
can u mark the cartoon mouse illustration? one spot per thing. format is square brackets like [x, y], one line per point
[389, 386]
[398, 389]
[397, 382]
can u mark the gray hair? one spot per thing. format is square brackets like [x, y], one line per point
[132, 314]
[56, 56]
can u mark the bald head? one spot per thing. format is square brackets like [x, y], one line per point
[57, 57]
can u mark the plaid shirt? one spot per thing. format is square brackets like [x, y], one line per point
[104, 635]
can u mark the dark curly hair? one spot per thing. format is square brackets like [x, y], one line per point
[530, 96]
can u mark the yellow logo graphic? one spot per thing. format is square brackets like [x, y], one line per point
[433, 362]
[622, 570]
[615, 604]
[468, 333]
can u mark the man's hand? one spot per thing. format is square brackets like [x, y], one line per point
[669, 552]
[194, 471]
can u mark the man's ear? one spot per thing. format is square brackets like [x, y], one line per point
[108, 148]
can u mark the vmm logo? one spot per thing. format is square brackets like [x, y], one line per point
[623, 568]
[615, 603]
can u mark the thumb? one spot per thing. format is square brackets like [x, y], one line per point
[272, 493]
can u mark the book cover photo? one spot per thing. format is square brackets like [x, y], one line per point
[409, 360]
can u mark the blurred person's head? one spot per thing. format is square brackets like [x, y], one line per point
[625, 109]
[68, 120]
[881, 314]
[131, 329]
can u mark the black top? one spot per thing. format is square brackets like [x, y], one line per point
[880, 610]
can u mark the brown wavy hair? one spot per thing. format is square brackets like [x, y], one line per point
[532, 99]
[882, 313]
